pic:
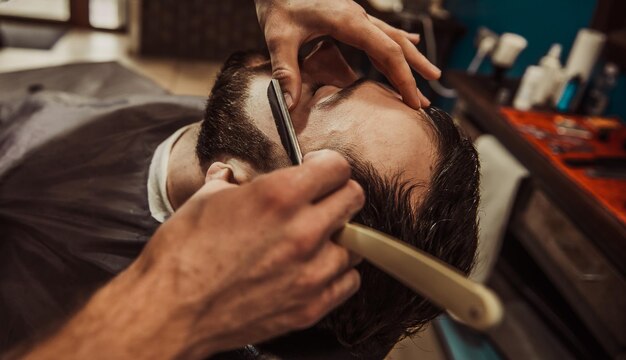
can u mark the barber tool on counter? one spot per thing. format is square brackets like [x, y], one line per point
[599, 94]
[550, 85]
[590, 149]
[580, 63]
[472, 303]
[506, 52]
[540, 82]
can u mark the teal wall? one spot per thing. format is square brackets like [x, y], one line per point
[541, 22]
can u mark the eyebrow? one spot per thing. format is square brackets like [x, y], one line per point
[342, 95]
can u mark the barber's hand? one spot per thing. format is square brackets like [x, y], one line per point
[253, 262]
[234, 265]
[287, 24]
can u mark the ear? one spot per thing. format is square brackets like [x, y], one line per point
[232, 170]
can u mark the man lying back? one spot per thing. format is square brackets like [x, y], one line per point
[419, 175]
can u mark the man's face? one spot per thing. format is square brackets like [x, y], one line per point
[339, 111]
[393, 149]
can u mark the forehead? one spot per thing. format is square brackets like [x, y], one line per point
[373, 123]
[389, 134]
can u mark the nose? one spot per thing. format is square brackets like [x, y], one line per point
[327, 66]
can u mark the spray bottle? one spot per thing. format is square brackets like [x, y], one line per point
[552, 76]
[540, 82]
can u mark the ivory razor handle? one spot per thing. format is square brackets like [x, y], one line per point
[472, 303]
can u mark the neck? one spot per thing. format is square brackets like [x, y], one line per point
[184, 174]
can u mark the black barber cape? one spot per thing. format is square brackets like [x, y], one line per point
[73, 195]
[73, 198]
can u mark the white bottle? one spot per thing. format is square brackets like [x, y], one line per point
[581, 61]
[532, 81]
[553, 71]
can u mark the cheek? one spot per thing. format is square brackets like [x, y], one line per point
[328, 130]
[310, 139]
[258, 109]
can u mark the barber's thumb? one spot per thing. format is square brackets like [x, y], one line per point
[288, 75]
[319, 154]
[290, 85]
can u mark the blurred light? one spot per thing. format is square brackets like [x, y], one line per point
[107, 14]
[38, 9]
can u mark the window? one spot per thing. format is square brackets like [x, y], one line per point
[107, 14]
[39, 9]
[100, 14]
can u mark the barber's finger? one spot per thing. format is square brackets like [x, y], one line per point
[309, 310]
[330, 261]
[340, 290]
[417, 60]
[321, 173]
[355, 259]
[387, 53]
[424, 102]
[413, 38]
[330, 215]
[336, 209]
[283, 51]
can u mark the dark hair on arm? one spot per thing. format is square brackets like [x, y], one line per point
[444, 225]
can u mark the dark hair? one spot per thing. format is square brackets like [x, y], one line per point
[226, 129]
[445, 225]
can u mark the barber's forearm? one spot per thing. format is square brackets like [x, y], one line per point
[207, 280]
[127, 319]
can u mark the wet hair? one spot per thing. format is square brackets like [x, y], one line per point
[444, 224]
[384, 311]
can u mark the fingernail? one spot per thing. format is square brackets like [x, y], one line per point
[288, 100]
[424, 102]
[435, 69]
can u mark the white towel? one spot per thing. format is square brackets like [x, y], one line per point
[501, 175]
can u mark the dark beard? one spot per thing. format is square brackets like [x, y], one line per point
[383, 310]
[227, 130]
